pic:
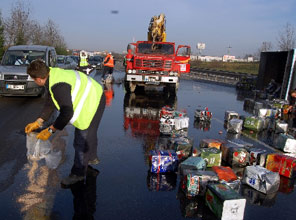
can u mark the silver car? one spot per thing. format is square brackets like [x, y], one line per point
[14, 80]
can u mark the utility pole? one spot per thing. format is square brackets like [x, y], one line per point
[228, 49]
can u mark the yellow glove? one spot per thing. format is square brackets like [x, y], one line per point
[44, 134]
[33, 126]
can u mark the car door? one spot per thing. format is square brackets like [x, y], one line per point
[182, 58]
[52, 58]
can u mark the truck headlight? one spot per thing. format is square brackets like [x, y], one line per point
[129, 71]
[134, 71]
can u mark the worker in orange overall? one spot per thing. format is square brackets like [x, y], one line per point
[108, 65]
[129, 60]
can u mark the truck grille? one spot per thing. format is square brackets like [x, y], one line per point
[149, 63]
[15, 77]
[168, 64]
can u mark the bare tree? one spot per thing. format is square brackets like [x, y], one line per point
[37, 36]
[2, 48]
[265, 46]
[287, 38]
[17, 25]
[51, 33]
[52, 37]
[20, 29]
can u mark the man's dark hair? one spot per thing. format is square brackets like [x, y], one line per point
[38, 69]
[292, 91]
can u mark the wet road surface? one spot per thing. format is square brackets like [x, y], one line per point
[123, 189]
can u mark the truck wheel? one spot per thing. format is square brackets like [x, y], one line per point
[172, 89]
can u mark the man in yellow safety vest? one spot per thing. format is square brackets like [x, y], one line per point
[80, 100]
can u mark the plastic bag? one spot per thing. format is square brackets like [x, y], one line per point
[36, 148]
[53, 159]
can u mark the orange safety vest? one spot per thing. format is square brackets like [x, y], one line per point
[109, 96]
[110, 62]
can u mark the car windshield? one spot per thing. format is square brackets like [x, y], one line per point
[22, 57]
[150, 48]
[60, 59]
[95, 59]
[75, 58]
[98, 58]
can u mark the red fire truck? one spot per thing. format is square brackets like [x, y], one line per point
[156, 64]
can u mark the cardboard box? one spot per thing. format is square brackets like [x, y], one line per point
[286, 143]
[224, 202]
[183, 147]
[281, 127]
[267, 113]
[225, 147]
[261, 179]
[202, 115]
[283, 164]
[192, 163]
[258, 156]
[208, 143]
[253, 123]
[237, 156]
[212, 156]
[181, 123]
[194, 182]
[225, 173]
[230, 115]
[163, 161]
[235, 126]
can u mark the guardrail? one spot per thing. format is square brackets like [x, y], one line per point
[223, 77]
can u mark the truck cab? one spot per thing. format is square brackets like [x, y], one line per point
[156, 64]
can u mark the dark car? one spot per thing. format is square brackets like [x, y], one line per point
[66, 62]
[75, 58]
[96, 61]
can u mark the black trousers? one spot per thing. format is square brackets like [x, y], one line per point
[86, 142]
[107, 69]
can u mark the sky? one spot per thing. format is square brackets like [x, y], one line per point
[235, 26]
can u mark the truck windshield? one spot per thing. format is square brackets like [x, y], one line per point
[21, 57]
[150, 48]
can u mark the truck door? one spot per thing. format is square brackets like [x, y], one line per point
[182, 58]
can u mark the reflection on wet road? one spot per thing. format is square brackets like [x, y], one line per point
[122, 187]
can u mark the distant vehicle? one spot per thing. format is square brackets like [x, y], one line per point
[75, 58]
[66, 62]
[96, 61]
[14, 80]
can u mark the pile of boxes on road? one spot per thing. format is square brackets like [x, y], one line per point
[202, 119]
[173, 122]
[272, 116]
[220, 172]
